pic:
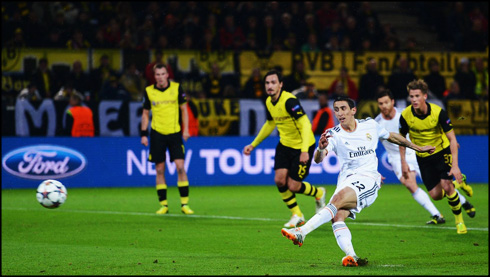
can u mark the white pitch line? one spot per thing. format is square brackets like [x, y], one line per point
[235, 218]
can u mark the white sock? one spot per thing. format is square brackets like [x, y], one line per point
[344, 238]
[423, 199]
[462, 199]
[322, 217]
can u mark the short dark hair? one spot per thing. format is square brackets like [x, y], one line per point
[274, 72]
[352, 103]
[159, 65]
[383, 93]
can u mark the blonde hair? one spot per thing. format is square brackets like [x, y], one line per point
[418, 84]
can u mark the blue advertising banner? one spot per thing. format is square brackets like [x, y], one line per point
[210, 161]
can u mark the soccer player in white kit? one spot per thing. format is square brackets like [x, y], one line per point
[354, 142]
[389, 118]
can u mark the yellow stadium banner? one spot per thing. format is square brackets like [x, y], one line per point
[469, 117]
[17, 60]
[202, 60]
[323, 67]
[216, 116]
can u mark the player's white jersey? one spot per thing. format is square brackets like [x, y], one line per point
[356, 150]
[392, 149]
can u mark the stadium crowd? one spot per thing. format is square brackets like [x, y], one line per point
[237, 26]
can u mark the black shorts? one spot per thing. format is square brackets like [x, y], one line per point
[160, 143]
[288, 158]
[435, 167]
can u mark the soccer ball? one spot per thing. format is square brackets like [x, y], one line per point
[51, 194]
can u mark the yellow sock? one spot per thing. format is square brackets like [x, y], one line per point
[308, 189]
[455, 205]
[184, 192]
[162, 194]
[290, 199]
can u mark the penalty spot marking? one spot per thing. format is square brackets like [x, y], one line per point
[234, 218]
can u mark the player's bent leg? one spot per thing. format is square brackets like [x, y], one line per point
[464, 186]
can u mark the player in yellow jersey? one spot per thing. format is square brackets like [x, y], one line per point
[295, 149]
[428, 124]
[165, 98]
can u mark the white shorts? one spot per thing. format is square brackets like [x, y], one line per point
[396, 164]
[366, 188]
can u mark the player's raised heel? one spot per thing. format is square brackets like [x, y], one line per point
[320, 203]
[464, 186]
[295, 221]
[461, 228]
[187, 210]
[163, 210]
[469, 209]
[294, 235]
[437, 220]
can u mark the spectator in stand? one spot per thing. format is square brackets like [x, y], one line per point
[251, 33]
[30, 93]
[353, 31]
[112, 89]
[457, 24]
[230, 35]
[287, 28]
[297, 78]
[309, 27]
[80, 80]
[333, 30]
[133, 81]
[370, 81]
[112, 33]
[65, 92]
[214, 83]
[146, 44]
[350, 88]
[324, 117]
[453, 93]
[53, 39]
[476, 39]
[149, 75]
[327, 14]
[307, 91]
[172, 29]
[481, 75]
[411, 44]
[435, 81]
[372, 32]
[100, 75]
[268, 33]
[254, 87]
[18, 40]
[77, 41]
[311, 45]
[45, 79]
[79, 120]
[466, 79]
[399, 78]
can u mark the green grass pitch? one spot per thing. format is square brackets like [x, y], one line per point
[235, 231]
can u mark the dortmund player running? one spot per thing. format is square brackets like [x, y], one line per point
[428, 124]
[389, 118]
[164, 98]
[295, 149]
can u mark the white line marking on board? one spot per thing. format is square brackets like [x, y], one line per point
[234, 217]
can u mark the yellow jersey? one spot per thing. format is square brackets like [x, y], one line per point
[428, 129]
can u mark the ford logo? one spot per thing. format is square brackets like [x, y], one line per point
[43, 162]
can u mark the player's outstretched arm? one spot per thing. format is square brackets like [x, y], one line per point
[400, 140]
